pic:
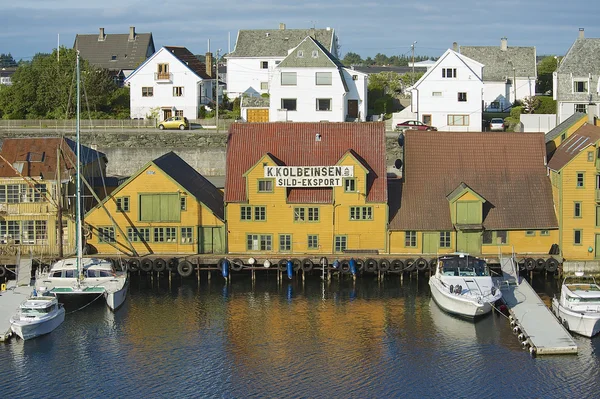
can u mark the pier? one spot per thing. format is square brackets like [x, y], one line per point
[531, 319]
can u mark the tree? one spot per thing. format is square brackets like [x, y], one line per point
[409, 79]
[545, 69]
[530, 104]
[387, 82]
[352, 59]
[7, 61]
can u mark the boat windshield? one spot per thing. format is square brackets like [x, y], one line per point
[464, 266]
[36, 311]
[579, 299]
[98, 273]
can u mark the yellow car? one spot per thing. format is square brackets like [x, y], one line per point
[175, 122]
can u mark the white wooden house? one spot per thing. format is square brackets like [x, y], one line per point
[174, 82]
[311, 85]
[449, 95]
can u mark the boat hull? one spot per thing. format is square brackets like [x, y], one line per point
[116, 297]
[582, 323]
[458, 305]
[26, 329]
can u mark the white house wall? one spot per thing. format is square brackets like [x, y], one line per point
[357, 89]
[245, 75]
[141, 107]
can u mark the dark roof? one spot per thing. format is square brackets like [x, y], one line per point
[7, 71]
[564, 125]
[497, 62]
[196, 184]
[185, 56]
[277, 42]
[38, 156]
[507, 169]
[294, 144]
[254, 102]
[581, 139]
[128, 54]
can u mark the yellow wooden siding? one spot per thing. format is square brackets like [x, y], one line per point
[149, 181]
[586, 196]
[258, 115]
[523, 244]
[280, 217]
[397, 243]
[468, 196]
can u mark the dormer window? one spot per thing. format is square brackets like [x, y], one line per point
[580, 86]
[300, 54]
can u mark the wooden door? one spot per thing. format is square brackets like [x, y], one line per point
[211, 240]
[468, 242]
[167, 113]
[352, 108]
[597, 246]
[258, 115]
[430, 243]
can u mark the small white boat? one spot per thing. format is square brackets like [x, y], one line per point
[462, 285]
[578, 308]
[37, 316]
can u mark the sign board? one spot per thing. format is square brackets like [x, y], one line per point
[308, 176]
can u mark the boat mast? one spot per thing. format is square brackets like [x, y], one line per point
[77, 180]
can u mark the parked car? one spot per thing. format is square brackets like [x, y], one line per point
[497, 125]
[175, 122]
[413, 125]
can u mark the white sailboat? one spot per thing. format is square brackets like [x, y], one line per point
[462, 286]
[80, 276]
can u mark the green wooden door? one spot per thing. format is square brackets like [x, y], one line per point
[211, 240]
[430, 243]
[597, 246]
[469, 242]
[468, 212]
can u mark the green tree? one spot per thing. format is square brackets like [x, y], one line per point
[7, 61]
[352, 59]
[545, 69]
[386, 82]
[381, 59]
[546, 105]
[409, 79]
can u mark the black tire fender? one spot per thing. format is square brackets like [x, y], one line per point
[146, 265]
[159, 265]
[237, 265]
[345, 266]
[282, 265]
[185, 268]
[384, 265]
[172, 264]
[396, 266]
[2, 271]
[421, 264]
[307, 265]
[133, 264]
[551, 265]
[409, 265]
[530, 264]
[371, 265]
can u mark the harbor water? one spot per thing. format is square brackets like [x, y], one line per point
[294, 339]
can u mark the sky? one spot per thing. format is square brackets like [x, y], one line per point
[368, 27]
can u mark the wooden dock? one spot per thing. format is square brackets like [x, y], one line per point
[531, 319]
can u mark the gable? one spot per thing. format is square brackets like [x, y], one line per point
[172, 55]
[310, 53]
[277, 42]
[457, 60]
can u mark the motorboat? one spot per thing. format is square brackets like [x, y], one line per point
[462, 285]
[578, 307]
[92, 278]
[37, 316]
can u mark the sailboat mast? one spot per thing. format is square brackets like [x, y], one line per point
[78, 179]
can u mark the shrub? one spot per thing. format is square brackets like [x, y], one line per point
[202, 112]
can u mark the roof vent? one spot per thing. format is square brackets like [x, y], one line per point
[267, 34]
[318, 137]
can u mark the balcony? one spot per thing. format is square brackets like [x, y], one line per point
[165, 77]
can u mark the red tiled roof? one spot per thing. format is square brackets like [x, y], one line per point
[507, 169]
[294, 144]
[581, 139]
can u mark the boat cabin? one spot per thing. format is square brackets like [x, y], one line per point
[38, 306]
[462, 265]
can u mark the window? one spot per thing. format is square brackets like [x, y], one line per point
[300, 54]
[361, 213]
[265, 186]
[458, 120]
[264, 85]
[462, 97]
[170, 234]
[264, 65]
[580, 86]
[577, 209]
[178, 91]
[12, 193]
[147, 91]
[444, 239]
[183, 203]
[106, 234]
[34, 232]
[581, 108]
[113, 57]
[577, 234]
[341, 243]
[323, 78]
[597, 216]
[256, 242]
[448, 72]
[323, 104]
[349, 185]
[530, 233]
[187, 236]
[39, 193]
[436, 94]
[313, 241]
[260, 213]
[354, 77]
[427, 119]
[285, 242]
[246, 213]
[162, 71]
[580, 180]
[159, 234]
[139, 234]
[179, 112]
[590, 156]
[313, 214]
[410, 239]
[544, 232]
[299, 215]
[159, 207]
[495, 104]
[122, 204]
[494, 237]
[315, 54]
[288, 103]
[288, 78]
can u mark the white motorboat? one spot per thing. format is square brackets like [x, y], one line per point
[92, 278]
[578, 307]
[37, 316]
[462, 285]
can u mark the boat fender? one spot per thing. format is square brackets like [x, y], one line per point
[529, 264]
[2, 271]
[3, 287]
[352, 266]
[421, 264]
[146, 265]
[384, 265]
[451, 289]
[360, 265]
[282, 265]
[172, 264]
[159, 265]
[237, 265]
[336, 264]
[409, 265]
[297, 264]
[185, 268]
[225, 268]
[267, 263]
[551, 265]
[133, 264]
[307, 265]
[540, 264]
[345, 266]
[370, 265]
[290, 268]
[396, 266]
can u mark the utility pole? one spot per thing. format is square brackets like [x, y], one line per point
[59, 226]
[217, 89]
[412, 78]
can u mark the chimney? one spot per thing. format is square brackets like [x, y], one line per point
[503, 44]
[581, 33]
[455, 47]
[281, 26]
[131, 33]
[101, 36]
[209, 64]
